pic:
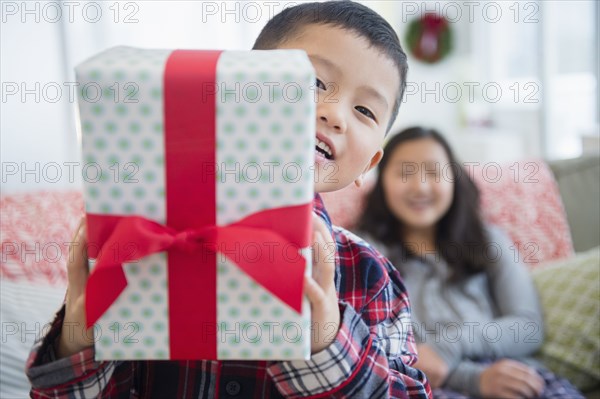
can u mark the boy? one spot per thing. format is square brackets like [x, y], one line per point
[361, 75]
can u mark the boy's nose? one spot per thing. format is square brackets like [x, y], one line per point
[331, 115]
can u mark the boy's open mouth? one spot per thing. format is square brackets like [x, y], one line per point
[324, 149]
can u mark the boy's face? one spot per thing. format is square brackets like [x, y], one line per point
[356, 90]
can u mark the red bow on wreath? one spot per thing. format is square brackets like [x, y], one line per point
[429, 38]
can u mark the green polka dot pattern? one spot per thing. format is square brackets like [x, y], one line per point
[120, 105]
[135, 327]
[253, 324]
[266, 128]
[258, 112]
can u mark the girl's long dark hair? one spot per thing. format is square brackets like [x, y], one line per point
[460, 235]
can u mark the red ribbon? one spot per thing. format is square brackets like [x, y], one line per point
[191, 223]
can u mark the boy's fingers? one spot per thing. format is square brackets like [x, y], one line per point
[77, 268]
[326, 267]
[312, 290]
[323, 259]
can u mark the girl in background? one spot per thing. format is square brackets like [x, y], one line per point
[476, 314]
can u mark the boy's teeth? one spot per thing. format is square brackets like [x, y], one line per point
[324, 147]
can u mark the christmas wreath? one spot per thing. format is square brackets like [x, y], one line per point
[429, 38]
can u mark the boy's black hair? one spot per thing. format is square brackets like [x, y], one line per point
[347, 15]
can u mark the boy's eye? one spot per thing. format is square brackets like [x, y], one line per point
[320, 84]
[366, 112]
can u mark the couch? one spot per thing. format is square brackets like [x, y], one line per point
[551, 211]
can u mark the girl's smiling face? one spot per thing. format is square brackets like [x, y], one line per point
[417, 186]
[356, 89]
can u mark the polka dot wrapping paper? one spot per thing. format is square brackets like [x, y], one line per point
[264, 155]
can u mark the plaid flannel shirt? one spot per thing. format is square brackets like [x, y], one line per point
[371, 355]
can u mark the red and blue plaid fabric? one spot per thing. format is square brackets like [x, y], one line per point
[371, 356]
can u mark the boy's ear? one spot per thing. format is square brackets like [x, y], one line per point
[374, 161]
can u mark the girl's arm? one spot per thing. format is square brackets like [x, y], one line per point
[517, 301]
[517, 330]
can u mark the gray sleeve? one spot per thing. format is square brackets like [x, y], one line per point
[465, 378]
[517, 329]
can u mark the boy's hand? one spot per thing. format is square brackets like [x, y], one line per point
[320, 288]
[73, 337]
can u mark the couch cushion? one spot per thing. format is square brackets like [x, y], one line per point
[570, 295]
[522, 198]
[345, 206]
[36, 228]
[579, 184]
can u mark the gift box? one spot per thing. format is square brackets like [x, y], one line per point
[198, 178]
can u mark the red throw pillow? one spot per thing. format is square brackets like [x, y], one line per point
[36, 230]
[523, 199]
[345, 206]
